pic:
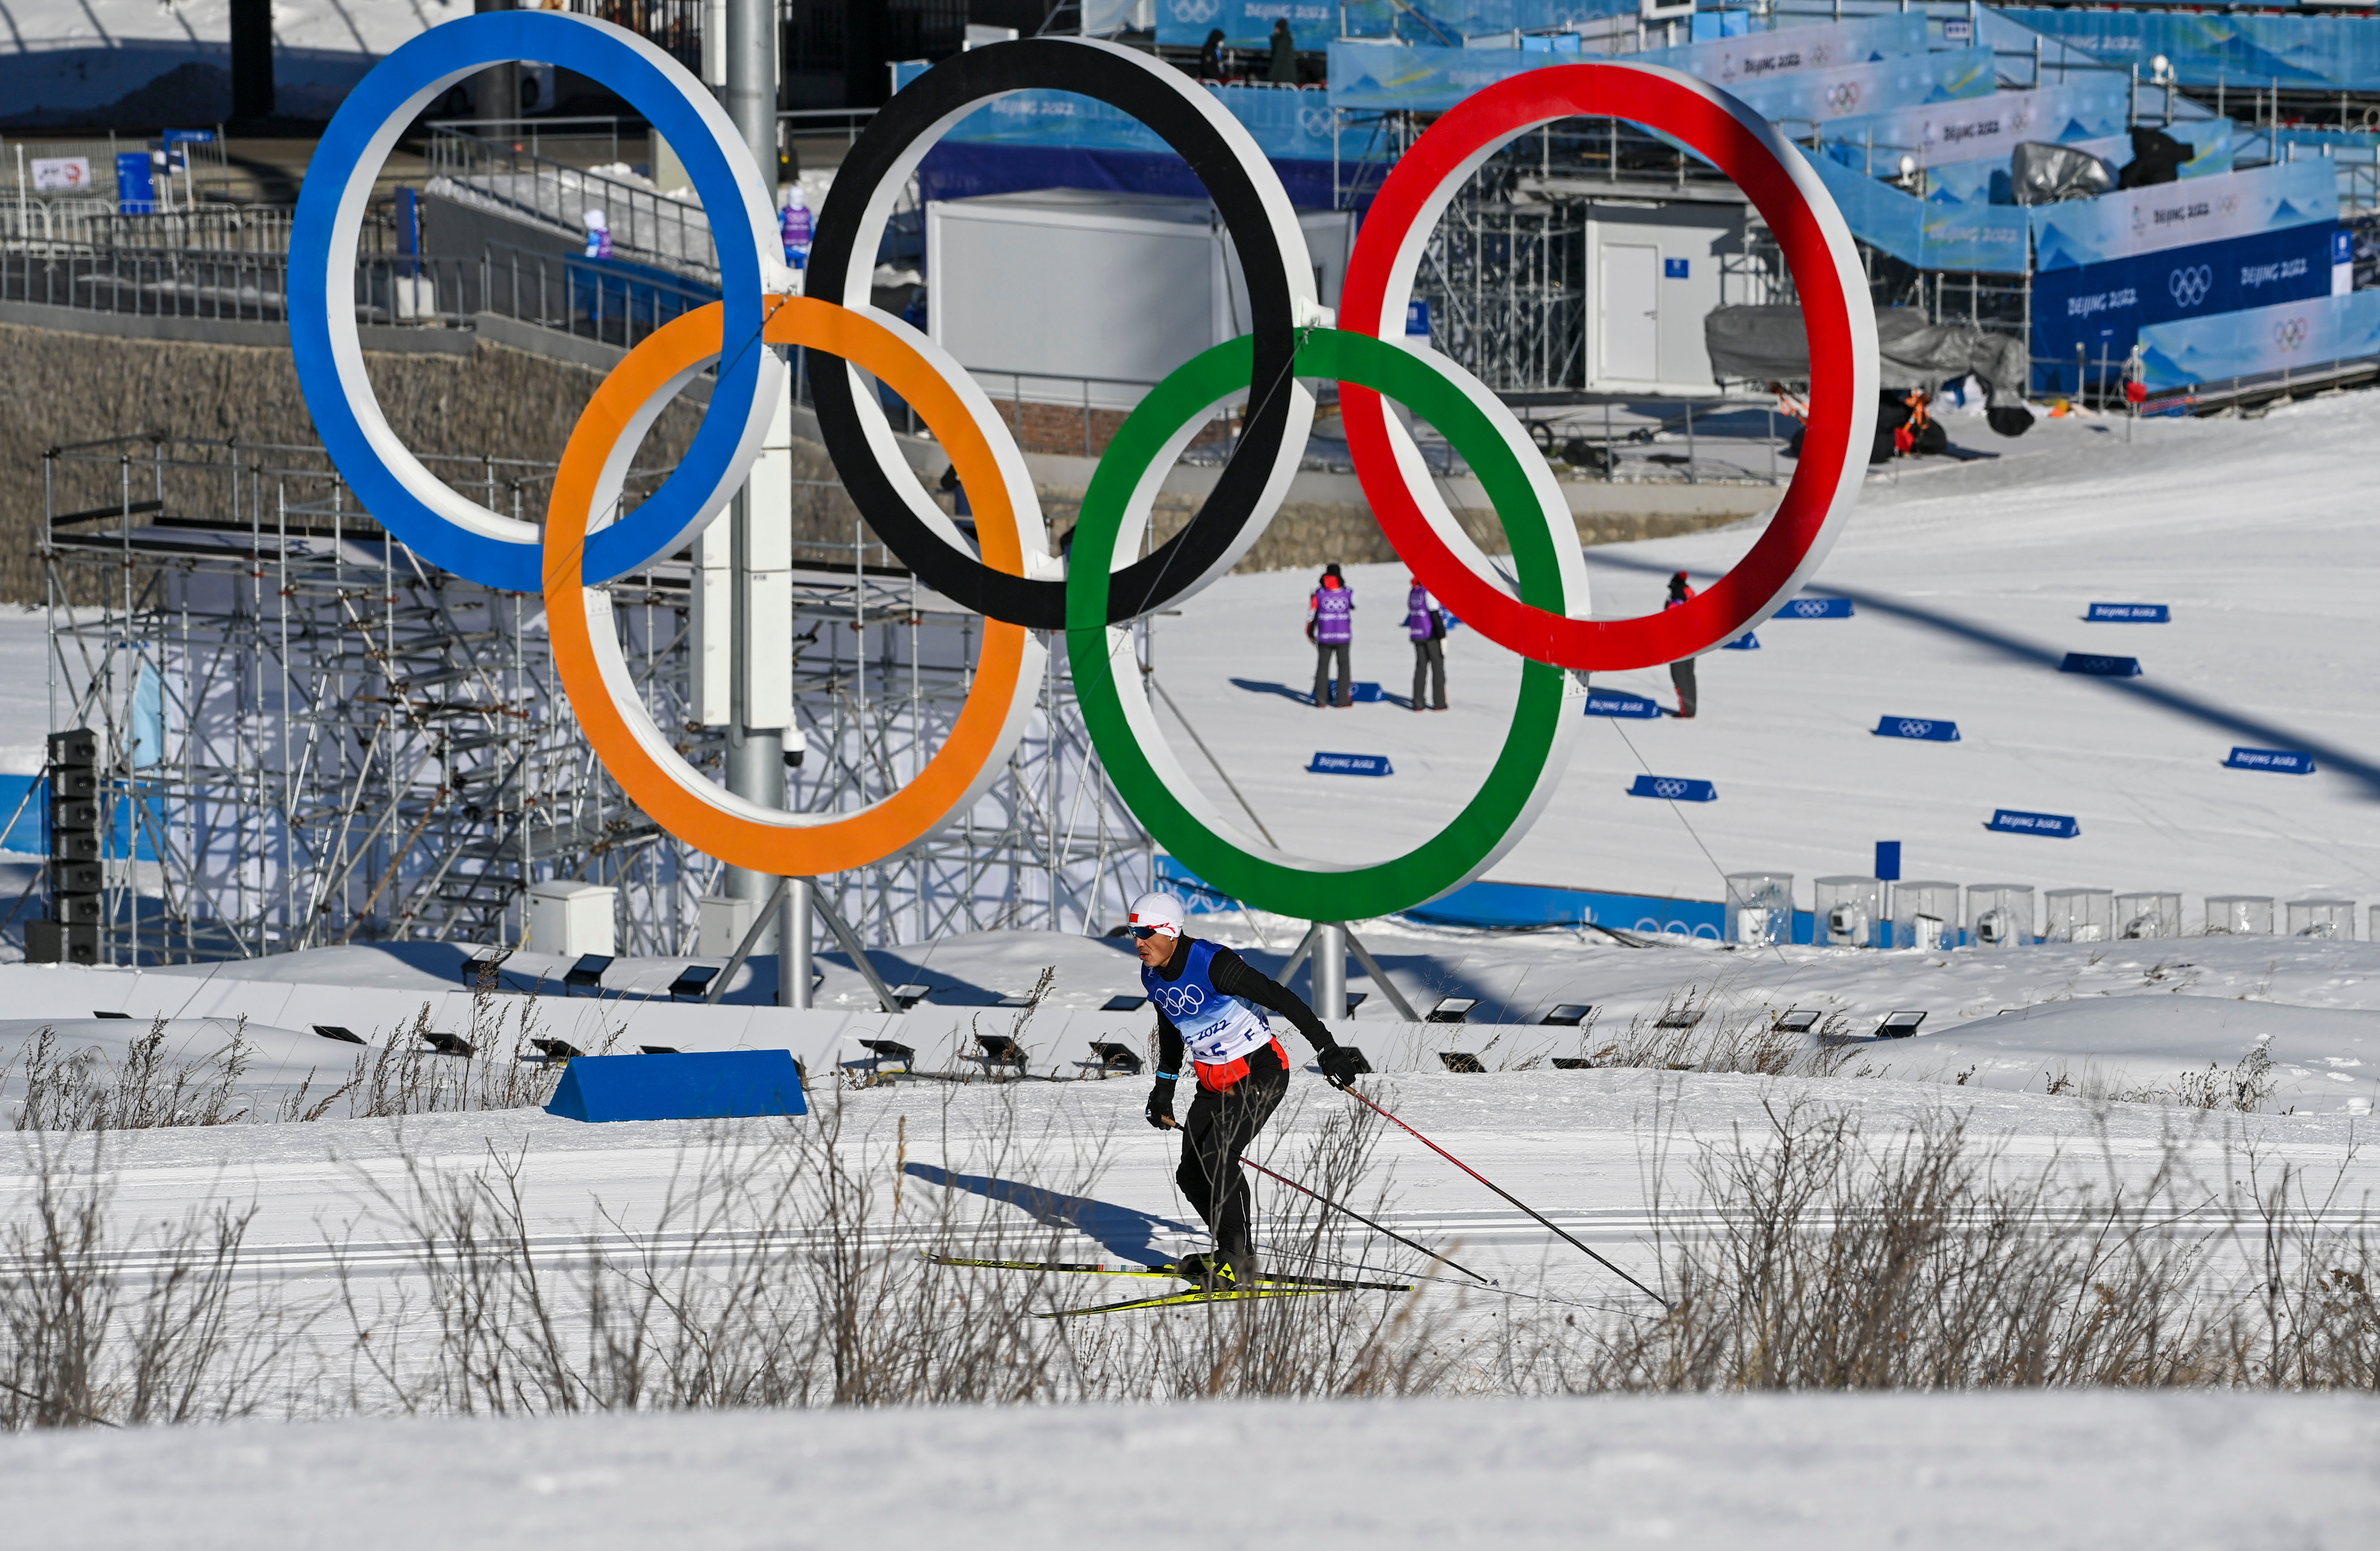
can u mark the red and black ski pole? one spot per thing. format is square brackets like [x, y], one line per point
[1387, 1232]
[1352, 1091]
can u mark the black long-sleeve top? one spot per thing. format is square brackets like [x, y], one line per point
[1235, 977]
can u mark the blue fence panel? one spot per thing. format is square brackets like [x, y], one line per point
[1398, 77]
[2132, 222]
[1816, 608]
[2260, 341]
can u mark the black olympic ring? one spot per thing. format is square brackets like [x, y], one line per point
[1123, 80]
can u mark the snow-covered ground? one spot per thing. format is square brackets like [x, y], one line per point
[2051, 1471]
[1969, 582]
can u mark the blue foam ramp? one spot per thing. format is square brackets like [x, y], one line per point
[2101, 666]
[1618, 702]
[2285, 761]
[1927, 728]
[2008, 820]
[711, 1085]
[1350, 764]
[1675, 789]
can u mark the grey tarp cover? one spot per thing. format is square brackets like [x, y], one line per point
[1769, 344]
[2042, 173]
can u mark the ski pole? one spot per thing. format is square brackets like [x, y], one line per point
[1351, 1092]
[1368, 1222]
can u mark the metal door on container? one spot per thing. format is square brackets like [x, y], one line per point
[1628, 344]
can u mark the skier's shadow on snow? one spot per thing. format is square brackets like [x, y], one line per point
[1127, 1233]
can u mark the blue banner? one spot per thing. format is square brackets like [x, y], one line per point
[2245, 53]
[2101, 308]
[2285, 761]
[1984, 128]
[1925, 729]
[2131, 613]
[1392, 77]
[2188, 215]
[1816, 608]
[1674, 789]
[1288, 125]
[1316, 23]
[2011, 821]
[2263, 340]
[1745, 61]
[1349, 764]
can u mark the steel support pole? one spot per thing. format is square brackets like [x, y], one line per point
[755, 756]
[1329, 970]
[793, 966]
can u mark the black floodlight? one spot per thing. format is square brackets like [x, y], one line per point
[1898, 1025]
[1569, 1015]
[555, 1049]
[1573, 1063]
[693, 980]
[1452, 1009]
[998, 1049]
[882, 1051]
[1799, 1020]
[1123, 1004]
[344, 1036]
[1355, 1000]
[1684, 1018]
[483, 962]
[1018, 1001]
[450, 1045]
[1461, 1060]
[660, 1050]
[96, 1014]
[910, 995]
[1116, 1058]
[587, 971]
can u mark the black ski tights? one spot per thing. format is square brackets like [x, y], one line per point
[1219, 1128]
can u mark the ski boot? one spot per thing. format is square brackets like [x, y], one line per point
[1217, 1272]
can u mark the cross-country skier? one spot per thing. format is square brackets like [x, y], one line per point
[1209, 997]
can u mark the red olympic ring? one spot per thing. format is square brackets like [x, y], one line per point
[1827, 275]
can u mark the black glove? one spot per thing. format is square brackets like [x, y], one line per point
[1160, 1104]
[1341, 1064]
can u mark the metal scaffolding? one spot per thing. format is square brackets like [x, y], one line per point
[312, 737]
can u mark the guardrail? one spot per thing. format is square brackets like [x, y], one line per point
[643, 223]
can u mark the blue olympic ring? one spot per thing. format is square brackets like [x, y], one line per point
[440, 525]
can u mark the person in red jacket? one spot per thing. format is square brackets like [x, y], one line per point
[1682, 671]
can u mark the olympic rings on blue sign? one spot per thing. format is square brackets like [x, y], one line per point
[436, 521]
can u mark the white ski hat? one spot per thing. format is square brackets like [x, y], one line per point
[1161, 912]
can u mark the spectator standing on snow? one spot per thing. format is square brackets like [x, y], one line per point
[1427, 626]
[1284, 68]
[1682, 671]
[1330, 625]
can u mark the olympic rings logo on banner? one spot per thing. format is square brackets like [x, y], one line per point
[1021, 588]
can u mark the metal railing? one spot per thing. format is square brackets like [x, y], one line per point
[595, 140]
[643, 223]
[80, 223]
[585, 298]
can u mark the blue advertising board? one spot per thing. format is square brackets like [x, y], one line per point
[1924, 729]
[1674, 789]
[2131, 613]
[1349, 764]
[1816, 608]
[1313, 23]
[2057, 826]
[2285, 761]
[2101, 308]
[2192, 213]
[136, 184]
[2263, 341]
[1618, 702]
[2100, 665]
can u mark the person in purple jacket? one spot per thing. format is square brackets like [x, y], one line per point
[1330, 625]
[1427, 626]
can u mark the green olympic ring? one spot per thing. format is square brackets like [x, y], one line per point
[1115, 703]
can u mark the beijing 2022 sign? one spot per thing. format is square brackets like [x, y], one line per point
[1017, 584]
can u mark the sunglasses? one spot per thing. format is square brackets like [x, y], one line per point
[1141, 934]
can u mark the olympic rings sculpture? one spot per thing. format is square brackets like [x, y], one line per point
[1024, 593]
